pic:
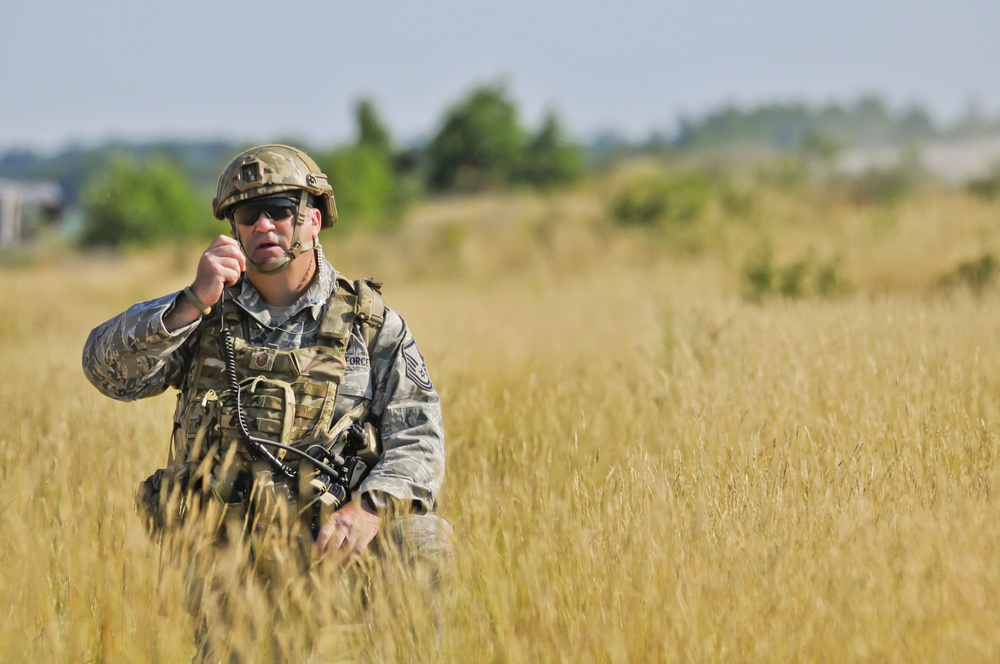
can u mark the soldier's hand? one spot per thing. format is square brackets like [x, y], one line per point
[220, 266]
[348, 532]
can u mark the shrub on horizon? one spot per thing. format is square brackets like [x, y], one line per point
[142, 203]
[661, 200]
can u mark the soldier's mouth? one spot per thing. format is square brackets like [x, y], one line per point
[266, 244]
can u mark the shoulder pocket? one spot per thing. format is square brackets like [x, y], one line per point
[355, 389]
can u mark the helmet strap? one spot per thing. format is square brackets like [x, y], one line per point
[293, 252]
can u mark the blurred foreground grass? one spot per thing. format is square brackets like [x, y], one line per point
[642, 466]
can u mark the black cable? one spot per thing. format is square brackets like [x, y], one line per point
[334, 474]
[256, 448]
[255, 444]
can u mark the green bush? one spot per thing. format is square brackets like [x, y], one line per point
[653, 200]
[829, 280]
[550, 159]
[784, 172]
[364, 187]
[977, 274]
[887, 185]
[792, 278]
[986, 187]
[758, 273]
[804, 277]
[738, 199]
[133, 203]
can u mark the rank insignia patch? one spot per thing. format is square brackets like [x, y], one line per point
[416, 368]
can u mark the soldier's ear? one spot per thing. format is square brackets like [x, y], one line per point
[316, 218]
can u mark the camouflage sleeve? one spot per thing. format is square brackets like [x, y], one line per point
[412, 465]
[133, 356]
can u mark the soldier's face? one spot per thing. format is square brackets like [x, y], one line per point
[265, 226]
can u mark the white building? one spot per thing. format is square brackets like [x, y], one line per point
[23, 205]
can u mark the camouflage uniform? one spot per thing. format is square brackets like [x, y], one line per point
[375, 371]
[133, 356]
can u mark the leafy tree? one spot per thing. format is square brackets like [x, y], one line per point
[74, 166]
[815, 156]
[368, 190]
[815, 146]
[371, 132]
[914, 125]
[972, 122]
[141, 203]
[782, 125]
[479, 145]
[364, 186]
[550, 159]
[871, 121]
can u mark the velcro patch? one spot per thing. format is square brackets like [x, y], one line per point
[416, 368]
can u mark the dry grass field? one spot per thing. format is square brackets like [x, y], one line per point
[642, 464]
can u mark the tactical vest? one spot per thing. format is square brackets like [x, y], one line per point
[288, 396]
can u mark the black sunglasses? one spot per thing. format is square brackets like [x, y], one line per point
[276, 209]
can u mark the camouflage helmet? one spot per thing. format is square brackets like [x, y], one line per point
[272, 169]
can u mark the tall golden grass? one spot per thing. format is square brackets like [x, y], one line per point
[642, 466]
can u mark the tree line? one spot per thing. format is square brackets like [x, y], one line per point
[149, 193]
[144, 193]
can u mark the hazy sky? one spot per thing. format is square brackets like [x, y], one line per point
[87, 71]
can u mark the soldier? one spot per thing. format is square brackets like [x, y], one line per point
[298, 388]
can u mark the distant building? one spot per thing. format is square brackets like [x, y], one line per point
[954, 160]
[24, 206]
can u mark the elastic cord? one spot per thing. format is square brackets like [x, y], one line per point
[196, 301]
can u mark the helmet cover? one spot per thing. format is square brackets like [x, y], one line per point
[271, 169]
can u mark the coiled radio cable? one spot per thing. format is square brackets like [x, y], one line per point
[257, 445]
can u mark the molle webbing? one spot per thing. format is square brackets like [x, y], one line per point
[370, 308]
[360, 299]
[288, 395]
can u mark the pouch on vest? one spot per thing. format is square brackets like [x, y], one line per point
[268, 408]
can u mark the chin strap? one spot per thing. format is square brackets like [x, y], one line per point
[293, 251]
